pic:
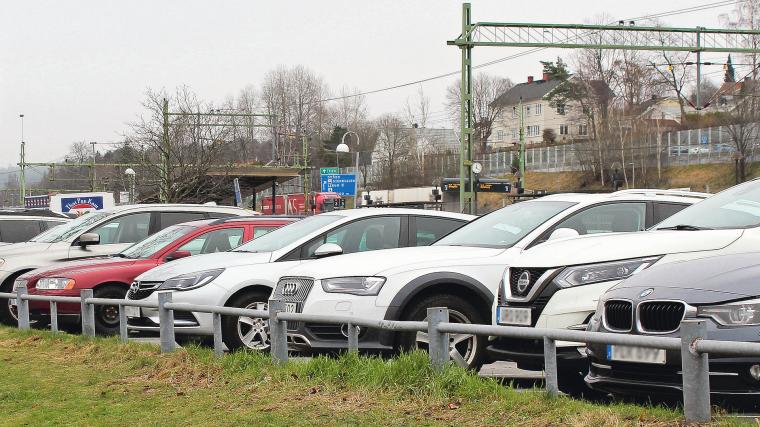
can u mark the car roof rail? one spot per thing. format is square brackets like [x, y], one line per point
[659, 192]
[257, 218]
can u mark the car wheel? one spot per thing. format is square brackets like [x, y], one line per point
[247, 332]
[107, 316]
[8, 314]
[471, 348]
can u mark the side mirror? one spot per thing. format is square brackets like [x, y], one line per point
[328, 249]
[88, 239]
[178, 255]
[562, 233]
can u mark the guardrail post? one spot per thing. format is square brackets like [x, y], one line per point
[123, 332]
[166, 322]
[53, 316]
[278, 332]
[88, 313]
[353, 338]
[22, 309]
[438, 342]
[696, 373]
[218, 344]
[550, 367]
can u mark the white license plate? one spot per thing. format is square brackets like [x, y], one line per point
[132, 311]
[625, 353]
[514, 316]
[290, 307]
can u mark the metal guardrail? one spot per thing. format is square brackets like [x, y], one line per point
[693, 345]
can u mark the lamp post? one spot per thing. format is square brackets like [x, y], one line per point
[344, 146]
[633, 167]
[22, 165]
[130, 173]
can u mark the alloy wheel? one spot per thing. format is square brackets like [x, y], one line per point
[254, 331]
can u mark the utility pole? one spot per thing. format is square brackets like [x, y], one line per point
[22, 176]
[699, 69]
[92, 168]
[306, 175]
[522, 146]
[164, 190]
[465, 150]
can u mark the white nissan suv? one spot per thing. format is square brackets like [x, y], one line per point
[462, 271]
[558, 284]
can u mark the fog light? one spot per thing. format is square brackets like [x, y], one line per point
[754, 370]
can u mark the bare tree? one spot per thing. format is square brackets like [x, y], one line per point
[746, 15]
[350, 111]
[418, 111]
[392, 148]
[742, 125]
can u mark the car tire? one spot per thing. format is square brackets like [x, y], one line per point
[240, 332]
[6, 316]
[472, 348]
[107, 316]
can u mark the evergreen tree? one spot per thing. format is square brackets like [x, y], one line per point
[730, 75]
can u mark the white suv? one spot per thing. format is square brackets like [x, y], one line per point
[97, 233]
[246, 276]
[558, 284]
[462, 271]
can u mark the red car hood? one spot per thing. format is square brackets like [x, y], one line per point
[82, 267]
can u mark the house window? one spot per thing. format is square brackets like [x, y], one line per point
[561, 109]
[538, 109]
[514, 133]
[533, 130]
[563, 130]
[500, 135]
[514, 112]
[527, 110]
[582, 130]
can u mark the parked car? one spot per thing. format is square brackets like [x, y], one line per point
[94, 234]
[460, 271]
[558, 284]
[23, 224]
[699, 149]
[110, 277]
[724, 148]
[677, 150]
[245, 277]
[722, 290]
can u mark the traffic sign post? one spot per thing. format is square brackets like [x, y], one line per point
[343, 184]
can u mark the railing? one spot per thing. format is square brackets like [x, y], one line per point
[692, 345]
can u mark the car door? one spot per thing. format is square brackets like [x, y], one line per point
[220, 240]
[365, 234]
[424, 230]
[116, 235]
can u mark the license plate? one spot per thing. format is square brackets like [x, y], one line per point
[625, 353]
[132, 311]
[290, 307]
[514, 316]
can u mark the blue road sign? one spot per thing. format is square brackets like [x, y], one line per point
[344, 184]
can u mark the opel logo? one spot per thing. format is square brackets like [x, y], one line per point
[523, 282]
[289, 289]
[646, 293]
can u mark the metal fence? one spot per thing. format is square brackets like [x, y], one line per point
[693, 345]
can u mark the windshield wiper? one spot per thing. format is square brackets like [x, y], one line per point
[244, 251]
[684, 227]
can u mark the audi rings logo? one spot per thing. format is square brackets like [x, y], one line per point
[289, 289]
[523, 282]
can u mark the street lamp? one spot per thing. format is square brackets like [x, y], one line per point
[22, 165]
[343, 148]
[130, 173]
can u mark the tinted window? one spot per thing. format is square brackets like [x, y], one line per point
[607, 218]
[157, 242]
[284, 236]
[367, 234]
[124, 229]
[47, 225]
[665, 210]
[260, 231]
[214, 241]
[18, 230]
[171, 218]
[430, 229]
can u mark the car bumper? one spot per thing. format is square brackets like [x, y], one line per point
[186, 323]
[529, 354]
[43, 307]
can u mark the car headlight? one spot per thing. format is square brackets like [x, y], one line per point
[55, 283]
[353, 285]
[191, 281]
[602, 272]
[740, 313]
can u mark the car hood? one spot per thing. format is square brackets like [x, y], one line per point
[615, 246]
[700, 281]
[84, 266]
[389, 261]
[21, 249]
[204, 262]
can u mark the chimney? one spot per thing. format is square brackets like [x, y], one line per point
[530, 79]
[547, 76]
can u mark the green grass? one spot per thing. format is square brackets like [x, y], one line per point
[63, 379]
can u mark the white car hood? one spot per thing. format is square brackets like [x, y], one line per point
[389, 261]
[21, 249]
[611, 247]
[203, 262]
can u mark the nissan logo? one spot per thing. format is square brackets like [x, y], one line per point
[289, 289]
[523, 282]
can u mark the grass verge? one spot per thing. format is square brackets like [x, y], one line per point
[64, 379]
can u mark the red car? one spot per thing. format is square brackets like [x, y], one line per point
[111, 276]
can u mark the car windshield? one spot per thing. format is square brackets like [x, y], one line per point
[288, 234]
[71, 229]
[505, 227]
[157, 242]
[736, 207]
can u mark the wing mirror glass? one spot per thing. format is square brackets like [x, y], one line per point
[88, 239]
[328, 249]
[178, 255]
[562, 233]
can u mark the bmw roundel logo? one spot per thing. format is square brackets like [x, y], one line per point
[523, 282]
[646, 293]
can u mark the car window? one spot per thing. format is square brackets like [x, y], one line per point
[156, 242]
[665, 210]
[289, 234]
[124, 229]
[367, 234]
[430, 229]
[18, 230]
[607, 218]
[214, 241]
[736, 207]
[260, 231]
[172, 218]
[47, 225]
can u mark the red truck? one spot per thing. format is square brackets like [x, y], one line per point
[293, 204]
[111, 276]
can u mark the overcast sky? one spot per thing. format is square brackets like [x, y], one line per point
[78, 69]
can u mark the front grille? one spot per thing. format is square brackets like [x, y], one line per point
[660, 316]
[618, 315]
[293, 289]
[514, 278]
[142, 290]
